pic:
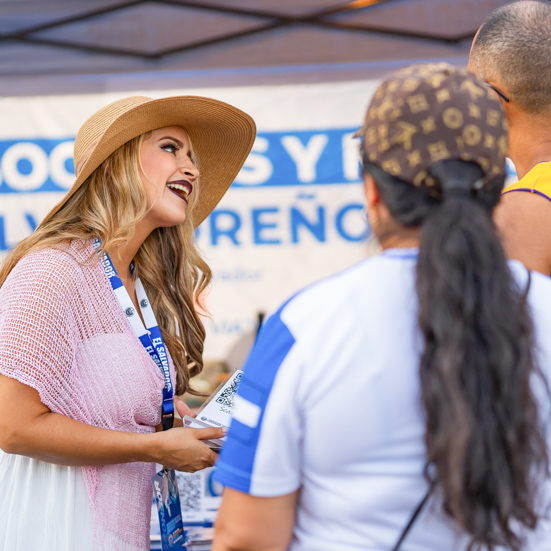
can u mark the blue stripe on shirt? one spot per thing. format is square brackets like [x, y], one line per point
[235, 466]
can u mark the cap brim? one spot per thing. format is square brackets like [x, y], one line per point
[222, 137]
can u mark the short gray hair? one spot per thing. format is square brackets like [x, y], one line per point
[514, 44]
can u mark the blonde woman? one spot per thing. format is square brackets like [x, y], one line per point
[86, 379]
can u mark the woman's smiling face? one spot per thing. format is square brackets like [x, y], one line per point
[168, 174]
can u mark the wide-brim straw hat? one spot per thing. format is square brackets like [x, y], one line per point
[221, 136]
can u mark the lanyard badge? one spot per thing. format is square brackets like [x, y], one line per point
[165, 486]
[167, 497]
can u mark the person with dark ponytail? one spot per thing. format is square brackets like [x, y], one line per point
[404, 403]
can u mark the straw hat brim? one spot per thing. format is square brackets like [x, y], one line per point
[222, 137]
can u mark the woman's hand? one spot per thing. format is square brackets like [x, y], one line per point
[182, 448]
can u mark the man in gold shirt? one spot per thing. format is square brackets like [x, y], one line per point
[512, 53]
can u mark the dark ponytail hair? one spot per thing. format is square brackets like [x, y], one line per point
[484, 438]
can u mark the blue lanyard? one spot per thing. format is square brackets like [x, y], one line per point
[150, 337]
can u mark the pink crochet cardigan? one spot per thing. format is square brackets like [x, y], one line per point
[63, 332]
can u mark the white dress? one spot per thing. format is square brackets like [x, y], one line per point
[58, 515]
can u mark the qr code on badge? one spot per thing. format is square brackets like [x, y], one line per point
[190, 486]
[226, 398]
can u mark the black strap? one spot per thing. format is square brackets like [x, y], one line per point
[413, 518]
[167, 419]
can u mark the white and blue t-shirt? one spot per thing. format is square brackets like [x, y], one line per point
[330, 404]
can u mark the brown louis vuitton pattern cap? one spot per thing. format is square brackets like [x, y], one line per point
[427, 113]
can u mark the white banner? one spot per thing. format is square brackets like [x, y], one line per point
[294, 214]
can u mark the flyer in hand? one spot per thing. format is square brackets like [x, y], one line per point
[217, 410]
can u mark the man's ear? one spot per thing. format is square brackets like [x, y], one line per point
[372, 196]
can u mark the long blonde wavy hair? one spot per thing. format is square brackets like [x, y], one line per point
[108, 205]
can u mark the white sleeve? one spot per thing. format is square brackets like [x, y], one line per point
[262, 455]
